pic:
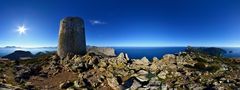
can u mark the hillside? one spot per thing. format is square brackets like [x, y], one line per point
[185, 70]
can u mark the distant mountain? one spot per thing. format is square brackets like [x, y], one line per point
[11, 47]
[47, 47]
[17, 55]
[213, 51]
[27, 47]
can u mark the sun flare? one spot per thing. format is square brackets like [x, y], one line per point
[21, 29]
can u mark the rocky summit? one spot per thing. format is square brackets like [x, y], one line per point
[74, 67]
[182, 71]
[71, 37]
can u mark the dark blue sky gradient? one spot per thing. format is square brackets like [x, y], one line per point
[124, 22]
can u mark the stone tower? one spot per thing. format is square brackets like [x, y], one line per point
[71, 37]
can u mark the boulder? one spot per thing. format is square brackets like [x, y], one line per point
[102, 64]
[142, 72]
[155, 64]
[135, 85]
[78, 83]
[121, 55]
[144, 61]
[155, 59]
[9, 87]
[163, 74]
[29, 86]
[23, 73]
[154, 84]
[112, 82]
[169, 58]
[121, 59]
[142, 78]
[66, 85]
[71, 37]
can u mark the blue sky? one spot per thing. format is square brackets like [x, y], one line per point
[139, 23]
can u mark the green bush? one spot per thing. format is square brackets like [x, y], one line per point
[150, 75]
[213, 68]
[2, 65]
[188, 66]
[199, 65]
[200, 59]
[183, 54]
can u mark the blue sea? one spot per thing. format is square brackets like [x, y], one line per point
[133, 52]
[150, 52]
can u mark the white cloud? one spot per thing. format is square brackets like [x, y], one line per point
[97, 22]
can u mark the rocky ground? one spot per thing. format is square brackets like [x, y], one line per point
[185, 70]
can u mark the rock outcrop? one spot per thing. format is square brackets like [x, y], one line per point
[71, 37]
[101, 50]
[185, 70]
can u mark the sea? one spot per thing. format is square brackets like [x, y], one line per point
[133, 52]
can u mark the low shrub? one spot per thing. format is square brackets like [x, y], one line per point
[200, 59]
[213, 68]
[200, 66]
[188, 66]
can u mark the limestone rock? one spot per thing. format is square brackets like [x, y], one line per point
[9, 87]
[65, 85]
[138, 64]
[142, 78]
[155, 59]
[121, 55]
[102, 64]
[135, 85]
[170, 58]
[71, 37]
[163, 74]
[29, 85]
[144, 61]
[154, 65]
[112, 82]
[142, 72]
[154, 83]
[101, 50]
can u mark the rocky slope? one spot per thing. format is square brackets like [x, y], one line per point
[185, 70]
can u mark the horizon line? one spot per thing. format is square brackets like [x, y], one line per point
[122, 46]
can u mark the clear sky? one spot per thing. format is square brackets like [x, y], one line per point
[124, 22]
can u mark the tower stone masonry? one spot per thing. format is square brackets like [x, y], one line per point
[71, 38]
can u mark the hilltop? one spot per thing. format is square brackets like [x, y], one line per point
[186, 70]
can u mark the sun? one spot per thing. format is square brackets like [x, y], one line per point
[21, 29]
